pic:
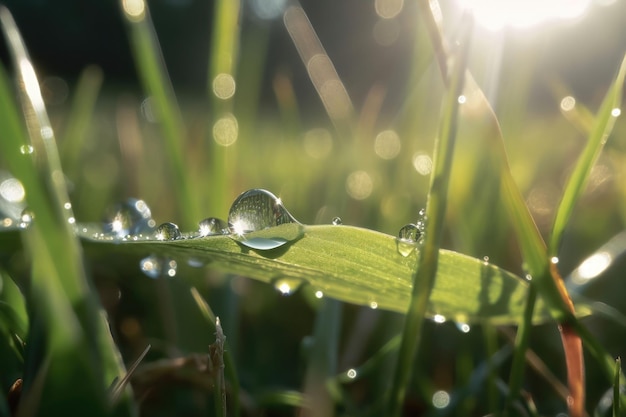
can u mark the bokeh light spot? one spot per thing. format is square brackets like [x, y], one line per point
[422, 163]
[224, 86]
[388, 9]
[317, 143]
[359, 185]
[441, 399]
[226, 130]
[568, 103]
[12, 190]
[387, 144]
[135, 9]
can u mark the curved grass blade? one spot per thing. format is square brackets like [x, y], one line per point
[67, 329]
[156, 83]
[354, 265]
[603, 124]
[424, 279]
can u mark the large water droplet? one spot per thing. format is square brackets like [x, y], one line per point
[287, 286]
[213, 226]
[167, 231]
[154, 267]
[130, 217]
[409, 237]
[259, 220]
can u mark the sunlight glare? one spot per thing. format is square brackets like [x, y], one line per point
[495, 15]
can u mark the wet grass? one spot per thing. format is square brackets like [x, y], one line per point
[301, 355]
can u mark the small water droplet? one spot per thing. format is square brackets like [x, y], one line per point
[26, 218]
[130, 217]
[26, 149]
[373, 305]
[154, 267]
[319, 294]
[463, 327]
[287, 286]
[528, 277]
[351, 373]
[554, 260]
[258, 220]
[485, 260]
[337, 221]
[167, 231]
[213, 226]
[409, 237]
[438, 318]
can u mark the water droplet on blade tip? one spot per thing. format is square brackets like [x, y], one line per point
[167, 231]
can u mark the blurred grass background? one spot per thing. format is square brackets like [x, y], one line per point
[369, 166]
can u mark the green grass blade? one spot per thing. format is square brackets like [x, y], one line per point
[156, 83]
[616, 387]
[350, 264]
[222, 69]
[424, 279]
[322, 362]
[80, 118]
[72, 336]
[600, 131]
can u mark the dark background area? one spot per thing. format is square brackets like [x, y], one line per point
[65, 37]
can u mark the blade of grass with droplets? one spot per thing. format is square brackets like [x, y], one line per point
[156, 83]
[355, 265]
[602, 126]
[59, 297]
[424, 279]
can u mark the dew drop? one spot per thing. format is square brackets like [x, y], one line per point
[463, 327]
[167, 231]
[213, 226]
[351, 373]
[258, 220]
[287, 286]
[26, 218]
[154, 267]
[554, 260]
[319, 294]
[130, 217]
[26, 149]
[373, 305]
[337, 221]
[485, 260]
[438, 318]
[409, 237]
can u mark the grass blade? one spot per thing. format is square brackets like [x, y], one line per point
[355, 265]
[424, 279]
[156, 83]
[600, 131]
[67, 328]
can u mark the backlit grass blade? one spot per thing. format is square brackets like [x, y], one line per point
[156, 83]
[602, 126]
[424, 278]
[80, 118]
[224, 127]
[350, 264]
[76, 342]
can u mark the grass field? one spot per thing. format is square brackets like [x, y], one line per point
[502, 298]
